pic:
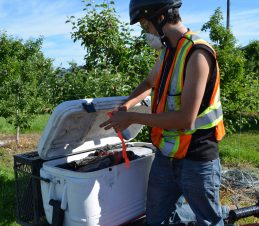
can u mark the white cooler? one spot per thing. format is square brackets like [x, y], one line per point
[110, 196]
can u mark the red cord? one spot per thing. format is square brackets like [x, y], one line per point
[124, 148]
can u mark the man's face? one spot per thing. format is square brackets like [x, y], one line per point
[144, 25]
[147, 26]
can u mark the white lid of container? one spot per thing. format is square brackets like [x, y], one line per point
[73, 127]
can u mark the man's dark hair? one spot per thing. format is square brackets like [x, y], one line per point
[173, 16]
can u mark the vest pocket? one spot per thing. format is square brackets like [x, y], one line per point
[173, 102]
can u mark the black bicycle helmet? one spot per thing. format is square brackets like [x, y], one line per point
[150, 8]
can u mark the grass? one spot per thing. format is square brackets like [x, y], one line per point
[37, 126]
[29, 141]
[235, 150]
[240, 148]
[240, 151]
[5, 127]
[7, 181]
[7, 190]
[7, 205]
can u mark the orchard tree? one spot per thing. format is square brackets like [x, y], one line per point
[115, 60]
[251, 52]
[69, 84]
[23, 74]
[235, 82]
[111, 49]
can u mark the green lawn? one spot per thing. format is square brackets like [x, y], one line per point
[7, 190]
[37, 126]
[235, 149]
[242, 148]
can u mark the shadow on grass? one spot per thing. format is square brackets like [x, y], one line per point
[7, 201]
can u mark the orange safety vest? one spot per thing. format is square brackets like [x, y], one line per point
[175, 143]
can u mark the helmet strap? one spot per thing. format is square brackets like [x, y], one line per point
[159, 27]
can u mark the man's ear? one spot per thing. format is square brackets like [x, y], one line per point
[161, 18]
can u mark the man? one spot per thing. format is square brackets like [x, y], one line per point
[186, 116]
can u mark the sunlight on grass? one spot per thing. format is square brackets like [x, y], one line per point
[6, 127]
[38, 124]
[240, 148]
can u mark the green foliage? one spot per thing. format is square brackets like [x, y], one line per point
[77, 83]
[6, 127]
[67, 84]
[144, 135]
[115, 60]
[251, 52]
[221, 36]
[115, 63]
[236, 83]
[99, 33]
[23, 70]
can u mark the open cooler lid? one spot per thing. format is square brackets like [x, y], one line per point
[73, 127]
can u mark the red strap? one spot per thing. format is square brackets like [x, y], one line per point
[124, 151]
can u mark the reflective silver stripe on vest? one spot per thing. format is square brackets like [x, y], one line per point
[168, 146]
[177, 66]
[173, 87]
[208, 118]
[174, 82]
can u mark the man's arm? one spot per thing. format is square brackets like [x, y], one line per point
[197, 73]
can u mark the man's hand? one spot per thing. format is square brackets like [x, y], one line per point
[119, 120]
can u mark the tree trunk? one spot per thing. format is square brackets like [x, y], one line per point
[17, 129]
[17, 135]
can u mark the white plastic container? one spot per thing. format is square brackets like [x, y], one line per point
[107, 197]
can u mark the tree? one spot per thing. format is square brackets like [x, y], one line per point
[23, 72]
[110, 48]
[251, 52]
[235, 83]
[115, 61]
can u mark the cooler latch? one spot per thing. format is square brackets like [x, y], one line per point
[89, 107]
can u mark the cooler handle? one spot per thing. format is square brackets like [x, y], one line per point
[63, 205]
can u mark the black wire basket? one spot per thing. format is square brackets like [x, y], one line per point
[29, 206]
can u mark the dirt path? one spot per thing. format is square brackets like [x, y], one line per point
[28, 142]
